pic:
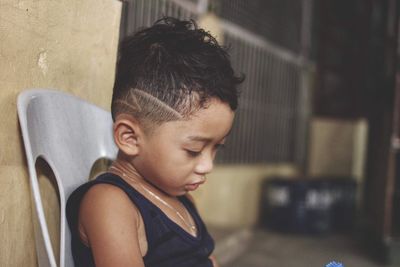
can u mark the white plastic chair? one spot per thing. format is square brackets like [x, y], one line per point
[70, 135]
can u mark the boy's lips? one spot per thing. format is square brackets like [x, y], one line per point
[194, 186]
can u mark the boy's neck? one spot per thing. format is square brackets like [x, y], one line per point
[127, 171]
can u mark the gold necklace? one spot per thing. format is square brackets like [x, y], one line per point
[191, 227]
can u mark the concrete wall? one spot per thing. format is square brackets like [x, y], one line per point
[337, 147]
[69, 45]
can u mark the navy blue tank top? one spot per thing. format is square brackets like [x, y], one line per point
[168, 244]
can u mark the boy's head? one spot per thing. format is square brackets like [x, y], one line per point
[169, 71]
[175, 78]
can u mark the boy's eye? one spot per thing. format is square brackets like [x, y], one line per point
[193, 153]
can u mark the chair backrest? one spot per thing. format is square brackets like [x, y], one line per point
[70, 135]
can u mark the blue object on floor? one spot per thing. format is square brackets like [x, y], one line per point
[334, 264]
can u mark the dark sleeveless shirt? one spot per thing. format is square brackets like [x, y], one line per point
[168, 244]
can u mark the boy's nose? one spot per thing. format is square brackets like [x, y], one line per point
[205, 164]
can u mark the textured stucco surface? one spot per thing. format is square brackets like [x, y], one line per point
[68, 45]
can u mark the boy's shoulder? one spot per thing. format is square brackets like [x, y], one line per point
[105, 190]
[104, 193]
[102, 199]
[107, 209]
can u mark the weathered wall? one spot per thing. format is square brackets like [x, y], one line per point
[69, 45]
[337, 147]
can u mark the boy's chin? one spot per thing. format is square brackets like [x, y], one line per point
[176, 192]
[179, 193]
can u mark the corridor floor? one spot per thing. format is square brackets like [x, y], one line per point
[271, 249]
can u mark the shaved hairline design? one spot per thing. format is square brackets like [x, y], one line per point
[145, 106]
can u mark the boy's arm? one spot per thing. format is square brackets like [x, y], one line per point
[214, 261]
[109, 221]
[212, 257]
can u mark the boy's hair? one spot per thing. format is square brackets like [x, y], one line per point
[169, 70]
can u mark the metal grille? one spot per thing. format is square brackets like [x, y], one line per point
[271, 121]
[267, 121]
[277, 20]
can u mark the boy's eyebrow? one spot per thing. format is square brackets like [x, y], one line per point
[204, 139]
[199, 138]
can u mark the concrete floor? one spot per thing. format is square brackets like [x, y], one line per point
[271, 249]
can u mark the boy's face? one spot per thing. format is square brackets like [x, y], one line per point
[178, 154]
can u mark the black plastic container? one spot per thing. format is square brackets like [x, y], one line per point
[314, 206]
[343, 203]
[284, 205]
[275, 204]
[318, 207]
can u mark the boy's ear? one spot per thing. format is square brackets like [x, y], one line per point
[127, 133]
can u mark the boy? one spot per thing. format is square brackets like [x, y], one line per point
[173, 106]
